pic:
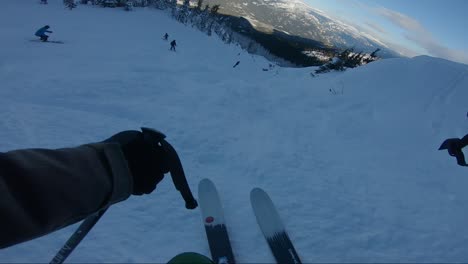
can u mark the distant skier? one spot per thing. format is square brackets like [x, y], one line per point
[44, 2]
[235, 65]
[454, 147]
[165, 36]
[41, 32]
[173, 45]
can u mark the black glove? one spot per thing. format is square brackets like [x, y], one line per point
[146, 159]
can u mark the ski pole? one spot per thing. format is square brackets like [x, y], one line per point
[76, 237]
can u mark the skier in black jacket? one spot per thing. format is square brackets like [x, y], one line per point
[173, 45]
[43, 190]
[454, 147]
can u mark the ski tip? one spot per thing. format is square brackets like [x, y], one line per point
[205, 182]
[206, 185]
[257, 192]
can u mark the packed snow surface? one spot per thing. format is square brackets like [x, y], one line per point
[350, 159]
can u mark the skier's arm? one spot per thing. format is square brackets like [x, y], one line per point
[48, 31]
[44, 190]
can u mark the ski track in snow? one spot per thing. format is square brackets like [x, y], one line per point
[356, 175]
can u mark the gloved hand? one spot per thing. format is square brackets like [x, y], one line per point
[146, 159]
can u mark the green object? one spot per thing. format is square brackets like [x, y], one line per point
[190, 257]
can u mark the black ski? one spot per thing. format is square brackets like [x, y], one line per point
[213, 219]
[272, 227]
[48, 41]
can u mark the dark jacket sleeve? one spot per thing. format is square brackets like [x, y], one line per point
[43, 190]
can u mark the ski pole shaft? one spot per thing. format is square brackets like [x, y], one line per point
[76, 237]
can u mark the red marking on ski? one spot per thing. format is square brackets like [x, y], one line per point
[209, 219]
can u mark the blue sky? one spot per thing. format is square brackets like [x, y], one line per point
[413, 27]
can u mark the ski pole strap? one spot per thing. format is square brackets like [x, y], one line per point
[76, 237]
[175, 166]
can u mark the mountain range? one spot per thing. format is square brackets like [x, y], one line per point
[297, 18]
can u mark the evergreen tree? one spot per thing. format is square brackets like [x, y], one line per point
[203, 18]
[214, 9]
[199, 5]
[346, 59]
[70, 4]
[373, 57]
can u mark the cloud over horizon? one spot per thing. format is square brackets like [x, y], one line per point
[418, 34]
[376, 27]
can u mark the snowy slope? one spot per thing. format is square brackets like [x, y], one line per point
[355, 174]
